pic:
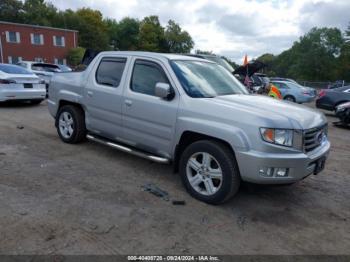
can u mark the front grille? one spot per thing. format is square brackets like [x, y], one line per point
[314, 137]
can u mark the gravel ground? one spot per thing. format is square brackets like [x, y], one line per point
[57, 198]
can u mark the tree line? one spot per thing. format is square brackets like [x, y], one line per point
[99, 33]
[322, 54]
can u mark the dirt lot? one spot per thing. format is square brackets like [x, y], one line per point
[87, 199]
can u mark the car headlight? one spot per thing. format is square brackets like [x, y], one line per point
[282, 137]
[343, 106]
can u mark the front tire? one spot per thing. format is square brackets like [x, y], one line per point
[70, 124]
[290, 99]
[209, 171]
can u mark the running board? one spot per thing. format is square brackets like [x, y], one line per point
[129, 150]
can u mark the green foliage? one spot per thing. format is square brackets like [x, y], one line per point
[178, 41]
[98, 33]
[38, 12]
[127, 37]
[152, 35]
[11, 11]
[319, 55]
[92, 29]
[75, 55]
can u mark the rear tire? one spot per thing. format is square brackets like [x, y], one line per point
[209, 171]
[70, 124]
[290, 99]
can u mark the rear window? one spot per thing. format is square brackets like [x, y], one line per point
[13, 69]
[110, 71]
[45, 67]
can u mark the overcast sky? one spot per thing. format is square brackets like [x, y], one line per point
[231, 28]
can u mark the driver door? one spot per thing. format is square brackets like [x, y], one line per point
[149, 121]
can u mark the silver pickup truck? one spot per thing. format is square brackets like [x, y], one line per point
[192, 113]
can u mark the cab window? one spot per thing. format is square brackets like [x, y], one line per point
[145, 76]
[110, 71]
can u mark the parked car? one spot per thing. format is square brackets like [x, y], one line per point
[283, 79]
[250, 78]
[342, 111]
[64, 68]
[329, 99]
[193, 113]
[295, 92]
[43, 70]
[337, 84]
[261, 82]
[18, 84]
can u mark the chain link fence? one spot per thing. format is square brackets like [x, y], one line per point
[322, 85]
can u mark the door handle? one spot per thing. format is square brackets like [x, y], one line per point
[128, 102]
[90, 93]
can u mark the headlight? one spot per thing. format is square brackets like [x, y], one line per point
[343, 106]
[283, 137]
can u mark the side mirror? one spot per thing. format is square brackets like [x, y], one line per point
[164, 90]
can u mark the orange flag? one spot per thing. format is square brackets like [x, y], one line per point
[245, 60]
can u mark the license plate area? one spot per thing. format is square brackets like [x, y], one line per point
[320, 164]
[28, 85]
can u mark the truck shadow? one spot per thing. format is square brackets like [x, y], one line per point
[17, 104]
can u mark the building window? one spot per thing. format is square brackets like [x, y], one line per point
[58, 41]
[14, 59]
[37, 39]
[38, 59]
[60, 61]
[13, 37]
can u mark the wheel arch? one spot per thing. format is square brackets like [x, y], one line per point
[189, 137]
[64, 102]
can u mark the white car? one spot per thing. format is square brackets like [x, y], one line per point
[43, 70]
[19, 84]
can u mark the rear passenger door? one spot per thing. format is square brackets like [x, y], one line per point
[103, 94]
[149, 121]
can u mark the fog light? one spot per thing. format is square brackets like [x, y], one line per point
[266, 171]
[281, 172]
[273, 171]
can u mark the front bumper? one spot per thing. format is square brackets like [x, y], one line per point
[305, 99]
[300, 165]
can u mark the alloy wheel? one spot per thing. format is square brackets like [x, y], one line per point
[66, 125]
[204, 173]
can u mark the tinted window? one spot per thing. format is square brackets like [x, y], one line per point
[13, 69]
[145, 76]
[45, 67]
[280, 85]
[283, 86]
[110, 71]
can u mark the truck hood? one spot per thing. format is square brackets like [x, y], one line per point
[273, 110]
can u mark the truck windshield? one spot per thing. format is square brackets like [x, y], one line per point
[221, 62]
[204, 79]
